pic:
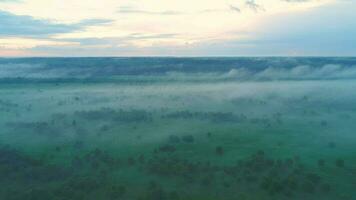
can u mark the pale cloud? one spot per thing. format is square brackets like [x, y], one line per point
[10, 1]
[234, 8]
[24, 25]
[26, 43]
[251, 4]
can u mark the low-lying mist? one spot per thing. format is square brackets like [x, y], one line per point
[183, 69]
[256, 128]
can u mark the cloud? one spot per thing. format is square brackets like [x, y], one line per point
[234, 8]
[118, 41]
[130, 10]
[297, 1]
[151, 36]
[28, 43]
[93, 22]
[27, 26]
[10, 1]
[251, 4]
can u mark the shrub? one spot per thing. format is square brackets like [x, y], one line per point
[188, 139]
[219, 151]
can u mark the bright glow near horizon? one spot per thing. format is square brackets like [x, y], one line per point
[181, 28]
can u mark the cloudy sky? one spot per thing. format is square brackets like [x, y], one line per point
[177, 28]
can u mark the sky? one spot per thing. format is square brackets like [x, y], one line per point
[177, 28]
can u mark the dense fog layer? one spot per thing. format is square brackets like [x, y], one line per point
[182, 68]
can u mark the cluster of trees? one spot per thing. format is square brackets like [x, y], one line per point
[212, 116]
[116, 115]
[89, 173]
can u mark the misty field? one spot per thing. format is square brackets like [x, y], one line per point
[271, 133]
